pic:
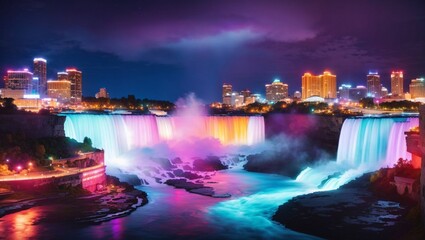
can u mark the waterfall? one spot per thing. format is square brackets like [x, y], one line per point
[118, 134]
[365, 144]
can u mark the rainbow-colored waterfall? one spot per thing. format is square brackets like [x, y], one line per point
[365, 144]
[118, 134]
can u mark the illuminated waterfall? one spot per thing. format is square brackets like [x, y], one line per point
[118, 134]
[365, 144]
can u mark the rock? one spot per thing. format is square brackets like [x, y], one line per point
[211, 163]
[223, 195]
[353, 211]
[183, 183]
[164, 163]
[176, 161]
[283, 163]
[178, 172]
[187, 167]
[206, 191]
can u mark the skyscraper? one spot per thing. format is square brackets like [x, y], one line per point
[60, 89]
[276, 91]
[40, 72]
[328, 85]
[397, 83]
[76, 78]
[417, 88]
[227, 92]
[21, 79]
[323, 85]
[310, 86]
[62, 76]
[374, 84]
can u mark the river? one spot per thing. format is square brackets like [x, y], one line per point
[176, 214]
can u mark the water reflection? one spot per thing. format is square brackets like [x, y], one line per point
[21, 225]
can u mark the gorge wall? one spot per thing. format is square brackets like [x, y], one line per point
[321, 131]
[32, 125]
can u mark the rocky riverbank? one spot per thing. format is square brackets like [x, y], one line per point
[116, 200]
[357, 210]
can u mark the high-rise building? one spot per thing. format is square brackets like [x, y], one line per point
[323, 85]
[62, 76]
[40, 72]
[297, 94]
[374, 84]
[344, 92]
[60, 89]
[328, 85]
[348, 93]
[276, 91]
[245, 93]
[310, 86]
[102, 93]
[237, 100]
[19, 80]
[357, 93]
[76, 79]
[250, 99]
[417, 88]
[397, 83]
[384, 91]
[227, 91]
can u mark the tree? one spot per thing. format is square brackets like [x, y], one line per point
[367, 102]
[40, 151]
[87, 145]
[8, 106]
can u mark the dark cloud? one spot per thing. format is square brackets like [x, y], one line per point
[164, 49]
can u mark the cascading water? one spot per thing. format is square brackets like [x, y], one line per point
[119, 134]
[365, 144]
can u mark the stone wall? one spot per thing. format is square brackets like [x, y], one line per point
[89, 180]
[33, 125]
[422, 135]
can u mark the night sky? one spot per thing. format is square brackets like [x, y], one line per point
[166, 49]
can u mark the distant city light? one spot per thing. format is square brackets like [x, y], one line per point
[31, 96]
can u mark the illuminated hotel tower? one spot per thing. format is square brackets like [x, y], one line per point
[323, 85]
[328, 81]
[310, 86]
[76, 78]
[40, 72]
[21, 80]
[276, 91]
[417, 88]
[227, 92]
[397, 83]
[62, 76]
[60, 89]
[374, 84]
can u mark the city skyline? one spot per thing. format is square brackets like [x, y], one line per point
[198, 46]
